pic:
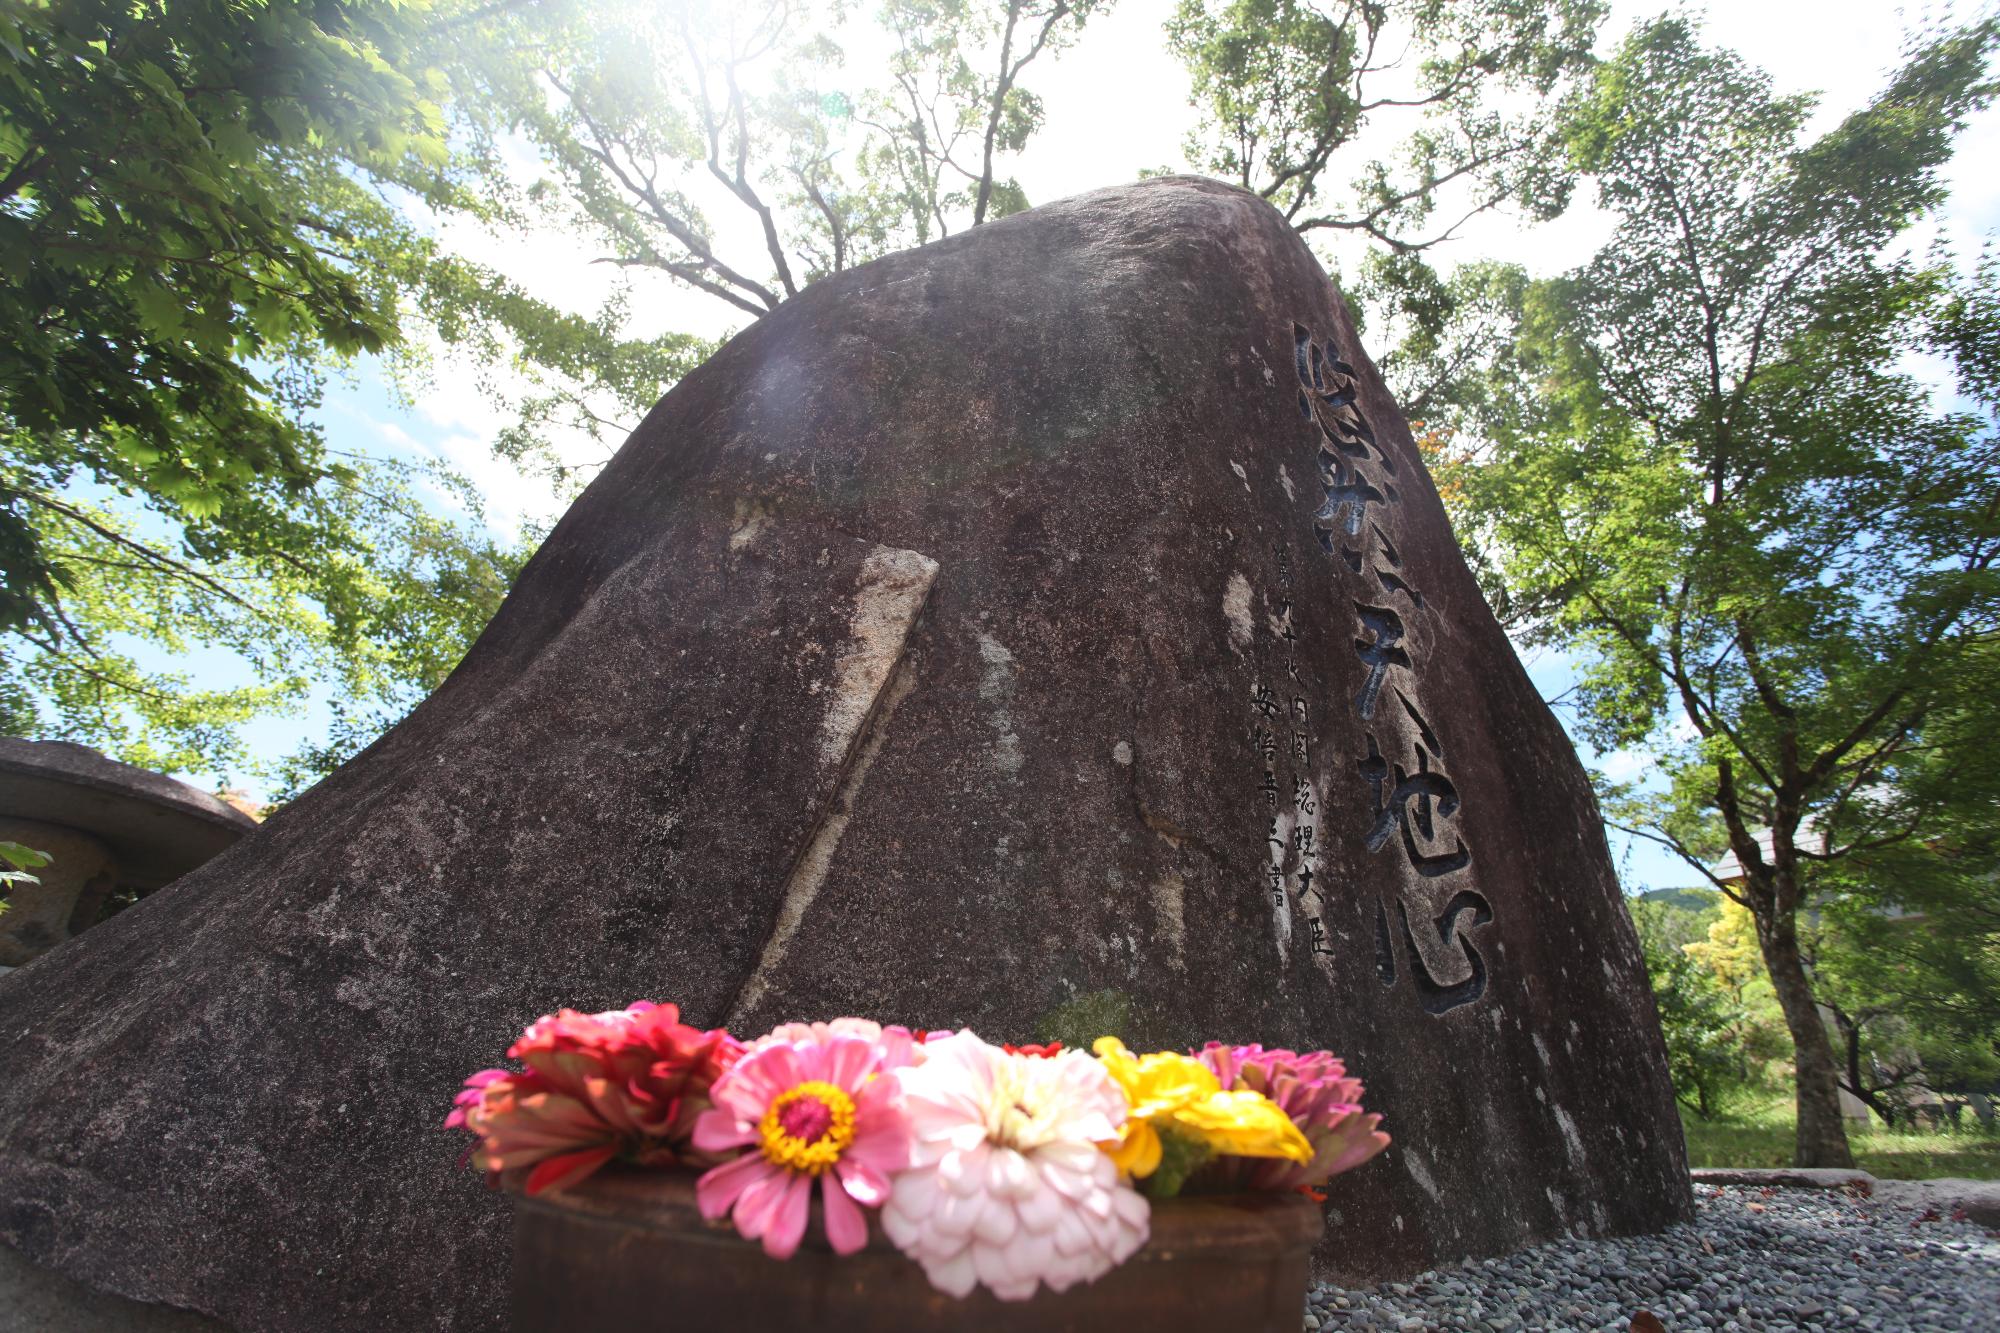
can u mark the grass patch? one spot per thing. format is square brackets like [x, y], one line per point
[1761, 1135]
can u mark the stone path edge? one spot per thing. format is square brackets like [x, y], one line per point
[1979, 1200]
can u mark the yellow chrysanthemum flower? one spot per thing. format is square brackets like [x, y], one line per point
[1179, 1094]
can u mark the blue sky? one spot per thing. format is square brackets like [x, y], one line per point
[1119, 74]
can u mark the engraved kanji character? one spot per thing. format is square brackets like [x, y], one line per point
[1393, 583]
[1429, 737]
[1348, 496]
[1436, 997]
[1380, 653]
[1406, 807]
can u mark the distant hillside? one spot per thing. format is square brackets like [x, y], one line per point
[1688, 900]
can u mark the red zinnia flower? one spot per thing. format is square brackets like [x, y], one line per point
[628, 1083]
[1045, 1050]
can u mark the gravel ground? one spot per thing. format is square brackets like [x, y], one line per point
[1754, 1259]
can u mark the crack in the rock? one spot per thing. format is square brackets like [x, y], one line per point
[859, 740]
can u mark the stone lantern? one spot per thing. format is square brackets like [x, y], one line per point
[105, 826]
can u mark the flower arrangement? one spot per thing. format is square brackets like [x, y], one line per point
[1008, 1167]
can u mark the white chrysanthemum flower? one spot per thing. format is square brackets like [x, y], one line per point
[1006, 1185]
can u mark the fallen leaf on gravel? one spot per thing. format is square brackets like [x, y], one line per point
[1647, 1322]
[1754, 1207]
[1706, 1247]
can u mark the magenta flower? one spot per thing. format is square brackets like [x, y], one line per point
[1314, 1090]
[805, 1109]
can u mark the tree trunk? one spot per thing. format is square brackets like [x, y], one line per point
[1822, 1136]
[1850, 1037]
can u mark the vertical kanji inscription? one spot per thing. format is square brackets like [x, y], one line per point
[1408, 803]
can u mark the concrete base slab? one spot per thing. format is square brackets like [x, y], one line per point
[1979, 1200]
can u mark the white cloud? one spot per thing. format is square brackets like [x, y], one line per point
[1624, 765]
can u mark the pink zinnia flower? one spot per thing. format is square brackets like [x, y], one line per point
[897, 1046]
[1314, 1090]
[1006, 1185]
[628, 1083]
[811, 1108]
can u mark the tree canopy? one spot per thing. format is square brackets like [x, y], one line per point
[175, 210]
[1282, 86]
[1707, 468]
[205, 208]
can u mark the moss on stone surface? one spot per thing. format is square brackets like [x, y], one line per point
[1081, 1021]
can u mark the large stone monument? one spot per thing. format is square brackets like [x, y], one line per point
[1052, 625]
